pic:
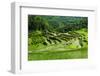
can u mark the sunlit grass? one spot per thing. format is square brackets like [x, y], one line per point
[52, 55]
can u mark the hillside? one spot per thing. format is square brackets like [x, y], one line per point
[57, 34]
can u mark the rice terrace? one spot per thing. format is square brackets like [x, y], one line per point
[57, 37]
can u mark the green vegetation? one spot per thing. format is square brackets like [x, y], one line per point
[47, 55]
[57, 37]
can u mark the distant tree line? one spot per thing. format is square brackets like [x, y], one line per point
[56, 23]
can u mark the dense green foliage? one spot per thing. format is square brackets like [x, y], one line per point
[56, 33]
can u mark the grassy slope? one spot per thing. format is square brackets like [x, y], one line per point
[56, 51]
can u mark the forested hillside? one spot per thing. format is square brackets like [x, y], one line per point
[57, 34]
